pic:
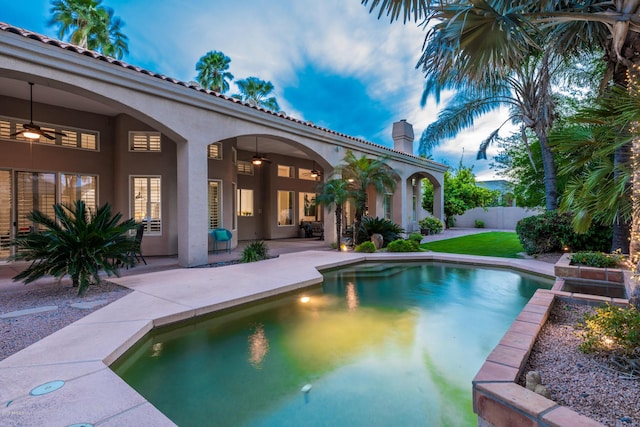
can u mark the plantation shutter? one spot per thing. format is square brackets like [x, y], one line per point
[214, 205]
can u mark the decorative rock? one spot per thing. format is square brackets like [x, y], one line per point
[88, 305]
[377, 240]
[533, 379]
[542, 391]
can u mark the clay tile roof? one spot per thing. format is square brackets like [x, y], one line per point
[70, 47]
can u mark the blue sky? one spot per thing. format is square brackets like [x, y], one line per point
[331, 62]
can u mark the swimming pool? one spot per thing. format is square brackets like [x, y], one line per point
[379, 344]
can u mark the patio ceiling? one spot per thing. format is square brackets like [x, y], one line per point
[19, 89]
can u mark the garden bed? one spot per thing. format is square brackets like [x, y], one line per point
[589, 384]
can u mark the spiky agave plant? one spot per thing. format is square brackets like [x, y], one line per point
[76, 242]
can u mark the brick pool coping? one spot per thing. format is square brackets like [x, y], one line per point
[497, 398]
[80, 354]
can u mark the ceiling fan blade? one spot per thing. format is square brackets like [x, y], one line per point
[46, 135]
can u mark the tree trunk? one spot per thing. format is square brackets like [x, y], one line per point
[621, 226]
[339, 226]
[549, 166]
[622, 155]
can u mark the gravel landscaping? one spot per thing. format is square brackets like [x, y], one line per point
[586, 383]
[22, 331]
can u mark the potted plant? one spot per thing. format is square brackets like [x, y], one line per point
[430, 225]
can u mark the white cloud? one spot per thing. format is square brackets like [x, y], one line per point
[274, 40]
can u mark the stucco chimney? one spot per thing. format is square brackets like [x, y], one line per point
[403, 136]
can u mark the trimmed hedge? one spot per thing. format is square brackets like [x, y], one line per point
[551, 232]
[366, 247]
[403, 246]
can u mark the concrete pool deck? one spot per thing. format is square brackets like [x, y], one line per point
[79, 354]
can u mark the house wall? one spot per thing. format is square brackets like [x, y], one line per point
[163, 164]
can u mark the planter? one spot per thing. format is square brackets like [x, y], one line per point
[607, 282]
[498, 400]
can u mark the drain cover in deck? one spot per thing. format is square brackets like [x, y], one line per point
[47, 388]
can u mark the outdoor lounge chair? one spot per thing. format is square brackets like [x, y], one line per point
[221, 235]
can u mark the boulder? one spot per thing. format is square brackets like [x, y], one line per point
[377, 240]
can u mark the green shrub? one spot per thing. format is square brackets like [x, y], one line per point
[387, 229]
[403, 246]
[479, 223]
[552, 232]
[415, 237]
[596, 259]
[255, 251]
[612, 328]
[431, 225]
[366, 247]
[76, 242]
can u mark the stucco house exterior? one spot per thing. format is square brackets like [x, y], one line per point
[172, 154]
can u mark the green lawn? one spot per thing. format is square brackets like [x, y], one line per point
[494, 243]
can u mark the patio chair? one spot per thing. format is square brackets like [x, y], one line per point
[137, 249]
[221, 235]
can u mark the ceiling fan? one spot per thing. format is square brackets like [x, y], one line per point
[315, 173]
[258, 159]
[31, 130]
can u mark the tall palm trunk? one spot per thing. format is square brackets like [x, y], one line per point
[622, 76]
[339, 225]
[549, 166]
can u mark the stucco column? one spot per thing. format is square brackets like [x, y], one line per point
[438, 200]
[402, 187]
[192, 203]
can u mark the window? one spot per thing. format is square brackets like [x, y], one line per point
[234, 155]
[387, 204]
[88, 141]
[79, 187]
[5, 129]
[145, 202]
[308, 208]
[245, 202]
[73, 138]
[144, 141]
[34, 191]
[215, 204]
[245, 168]
[234, 217]
[69, 139]
[285, 171]
[306, 174]
[285, 207]
[5, 210]
[214, 151]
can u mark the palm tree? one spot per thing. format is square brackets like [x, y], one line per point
[579, 26]
[363, 172]
[89, 26]
[335, 192]
[212, 71]
[525, 90]
[255, 92]
[76, 242]
[594, 191]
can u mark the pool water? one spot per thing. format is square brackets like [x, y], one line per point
[378, 345]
